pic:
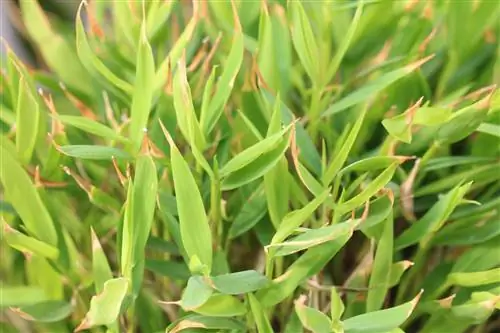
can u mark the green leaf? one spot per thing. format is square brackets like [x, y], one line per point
[295, 219]
[372, 163]
[226, 81]
[259, 315]
[472, 279]
[92, 127]
[93, 152]
[397, 269]
[250, 154]
[490, 129]
[24, 243]
[240, 282]
[371, 89]
[304, 41]
[308, 153]
[463, 123]
[380, 321]
[100, 266]
[28, 116]
[379, 279]
[336, 307]
[157, 16]
[23, 196]
[142, 97]
[90, 61]
[15, 296]
[196, 293]
[433, 219]
[370, 190]
[346, 41]
[342, 155]
[221, 305]
[191, 322]
[252, 211]
[184, 109]
[46, 312]
[140, 215]
[252, 170]
[191, 210]
[56, 51]
[312, 319]
[105, 307]
[311, 238]
[175, 53]
[309, 264]
[168, 268]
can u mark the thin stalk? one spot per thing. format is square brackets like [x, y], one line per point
[314, 112]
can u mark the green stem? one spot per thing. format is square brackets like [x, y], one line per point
[314, 112]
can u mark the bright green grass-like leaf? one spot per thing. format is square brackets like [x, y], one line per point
[140, 214]
[157, 15]
[312, 319]
[226, 81]
[433, 219]
[174, 54]
[192, 216]
[309, 264]
[15, 296]
[56, 51]
[239, 283]
[197, 292]
[252, 153]
[250, 214]
[142, 97]
[342, 155]
[46, 312]
[380, 321]
[372, 163]
[373, 88]
[295, 219]
[472, 279]
[308, 152]
[90, 60]
[184, 109]
[313, 237]
[304, 41]
[371, 189]
[92, 127]
[26, 244]
[221, 305]
[23, 196]
[259, 315]
[93, 152]
[379, 279]
[490, 129]
[28, 116]
[105, 307]
[463, 123]
[258, 167]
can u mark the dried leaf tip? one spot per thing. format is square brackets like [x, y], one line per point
[415, 301]
[237, 23]
[121, 177]
[485, 102]
[96, 245]
[445, 303]
[413, 66]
